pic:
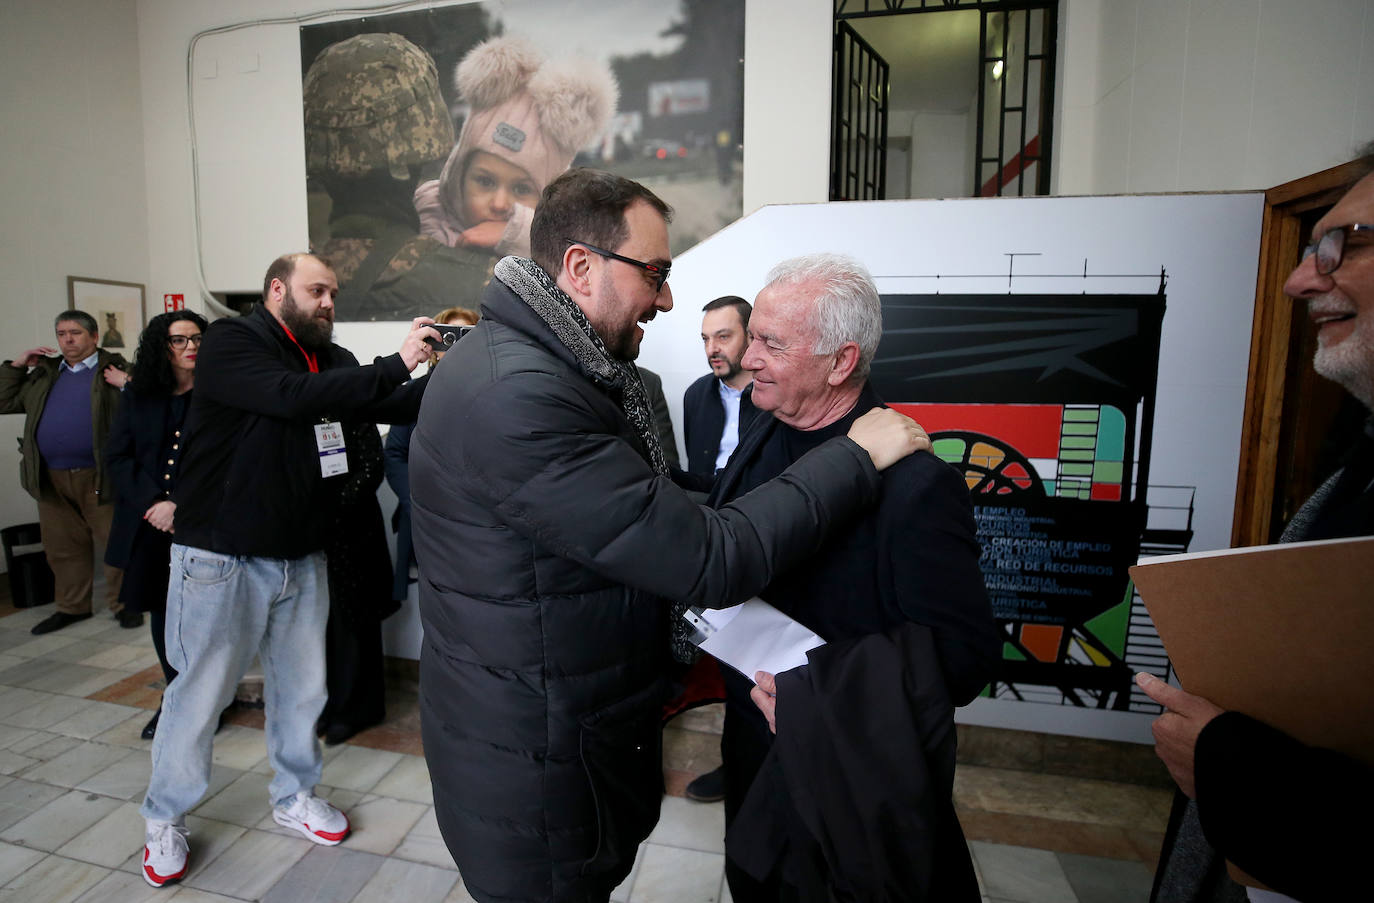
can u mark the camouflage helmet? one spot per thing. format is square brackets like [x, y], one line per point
[373, 102]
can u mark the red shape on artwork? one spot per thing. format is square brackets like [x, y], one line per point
[1032, 429]
[1042, 641]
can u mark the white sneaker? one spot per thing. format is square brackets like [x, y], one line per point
[313, 817]
[165, 853]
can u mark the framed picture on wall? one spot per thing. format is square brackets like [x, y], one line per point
[116, 306]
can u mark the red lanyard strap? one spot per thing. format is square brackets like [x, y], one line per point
[310, 359]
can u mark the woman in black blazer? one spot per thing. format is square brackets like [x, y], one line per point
[143, 454]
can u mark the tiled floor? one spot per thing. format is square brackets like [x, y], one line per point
[73, 771]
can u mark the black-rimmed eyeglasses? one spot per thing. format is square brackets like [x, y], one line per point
[657, 274]
[1330, 248]
[179, 341]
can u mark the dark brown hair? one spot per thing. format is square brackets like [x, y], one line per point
[585, 205]
[283, 267]
[742, 307]
[80, 318]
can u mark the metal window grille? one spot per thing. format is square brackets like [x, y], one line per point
[858, 151]
[1015, 109]
[1012, 152]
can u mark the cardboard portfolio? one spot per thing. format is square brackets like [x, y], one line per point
[1280, 633]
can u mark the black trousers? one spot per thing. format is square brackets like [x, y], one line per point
[145, 586]
[743, 748]
[353, 671]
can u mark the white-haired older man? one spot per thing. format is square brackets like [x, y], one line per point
[852, 794]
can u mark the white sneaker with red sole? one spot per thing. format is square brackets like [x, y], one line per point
[313, 817]
[165, 853]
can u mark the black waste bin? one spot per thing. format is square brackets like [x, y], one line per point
[30, 577]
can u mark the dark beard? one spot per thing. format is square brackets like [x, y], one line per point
[313, 333]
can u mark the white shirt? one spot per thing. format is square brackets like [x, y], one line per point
[1267, 896]
[729, 436]
[86, 364]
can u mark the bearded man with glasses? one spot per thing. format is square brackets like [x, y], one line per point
[1278, 809]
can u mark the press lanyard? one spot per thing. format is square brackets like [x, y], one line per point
[310, 359]
[329, 439]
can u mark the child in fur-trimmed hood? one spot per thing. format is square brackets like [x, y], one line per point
[528, 119]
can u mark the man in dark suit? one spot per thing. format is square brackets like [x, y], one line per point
[904, 575]
[663, 421]
[716, 408]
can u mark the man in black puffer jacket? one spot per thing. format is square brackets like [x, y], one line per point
[553, 546]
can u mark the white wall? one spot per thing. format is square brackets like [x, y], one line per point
[786, 101]
[941, 166]
[1192, 95]
[73, 200]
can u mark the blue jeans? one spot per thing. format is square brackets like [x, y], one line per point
[221, 609]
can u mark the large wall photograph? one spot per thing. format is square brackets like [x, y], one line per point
[429, 135]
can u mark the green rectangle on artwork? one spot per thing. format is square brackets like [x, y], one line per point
[949, 449]
[1076, 470]
[1077, 442]
[1107, 472]
[1080, 429]
[1080, 414]
[1070, 454]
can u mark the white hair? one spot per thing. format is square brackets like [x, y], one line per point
[846, 304]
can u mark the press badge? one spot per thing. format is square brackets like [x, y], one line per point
[329, 439]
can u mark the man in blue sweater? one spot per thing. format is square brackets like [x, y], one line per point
[69, 397]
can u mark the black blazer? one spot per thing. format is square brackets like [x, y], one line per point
[133, 456]
[703, 419]
[663, 421]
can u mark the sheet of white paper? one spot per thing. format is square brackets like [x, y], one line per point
[757, 637]
[719, 617]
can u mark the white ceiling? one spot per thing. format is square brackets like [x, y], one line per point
[933, 58]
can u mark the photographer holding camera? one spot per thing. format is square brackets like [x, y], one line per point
[263, 451]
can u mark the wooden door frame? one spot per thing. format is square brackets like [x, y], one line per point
[1270, 339]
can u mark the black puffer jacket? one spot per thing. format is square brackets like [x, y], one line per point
[546, 546]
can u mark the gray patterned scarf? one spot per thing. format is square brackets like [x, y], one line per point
[533, 286]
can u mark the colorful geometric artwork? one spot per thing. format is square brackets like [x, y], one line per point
[1044, 405]
[1061, 451]
[1021, 453]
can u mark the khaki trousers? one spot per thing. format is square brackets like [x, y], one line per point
[75, 529]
